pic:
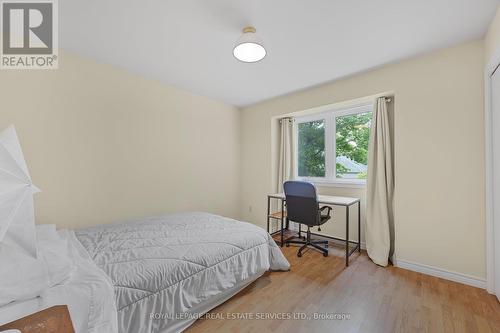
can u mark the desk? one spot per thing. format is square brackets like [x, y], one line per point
[328, 200]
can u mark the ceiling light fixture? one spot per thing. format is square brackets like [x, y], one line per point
[249, 47]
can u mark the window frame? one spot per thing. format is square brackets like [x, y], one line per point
[329, 117]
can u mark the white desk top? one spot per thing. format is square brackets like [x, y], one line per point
[325, 199]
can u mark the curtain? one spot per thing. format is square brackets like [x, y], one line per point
[286, 152]
[380, 186]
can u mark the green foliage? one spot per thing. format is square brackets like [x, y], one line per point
[312, 149]
[353, 133]
[362, 175]
[341, 169]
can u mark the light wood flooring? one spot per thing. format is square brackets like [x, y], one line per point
[376, 299]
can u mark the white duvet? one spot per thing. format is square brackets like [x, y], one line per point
[168, 270]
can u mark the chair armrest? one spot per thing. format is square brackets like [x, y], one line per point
[326, 207]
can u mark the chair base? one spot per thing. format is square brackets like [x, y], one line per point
[308, 243]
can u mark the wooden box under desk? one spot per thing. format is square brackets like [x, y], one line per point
[55, 319]
[278, 215]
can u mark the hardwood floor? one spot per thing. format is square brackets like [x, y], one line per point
[376, 299]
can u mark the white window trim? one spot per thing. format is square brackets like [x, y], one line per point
[329, 117]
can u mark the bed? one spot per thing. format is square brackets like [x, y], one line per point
[151, 275]
[167, 271]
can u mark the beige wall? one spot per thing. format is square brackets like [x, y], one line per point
[439, 153]
[492, 39]
[105, 145]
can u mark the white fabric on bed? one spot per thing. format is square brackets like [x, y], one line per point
[54, 253]
[176, 264]
[23, 276]
[87, 292]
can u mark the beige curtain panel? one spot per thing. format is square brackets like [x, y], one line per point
[380, 186]
[286, 152]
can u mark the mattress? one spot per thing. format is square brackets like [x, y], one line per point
[167, 271]
[88, 293]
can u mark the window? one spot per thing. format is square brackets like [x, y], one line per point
[333, 146]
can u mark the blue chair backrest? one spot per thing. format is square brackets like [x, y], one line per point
[301, 202]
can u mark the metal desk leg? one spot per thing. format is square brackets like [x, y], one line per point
[282, 220]
[268, 212]
[359, 226]
[347, 236]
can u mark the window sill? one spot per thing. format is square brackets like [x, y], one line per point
[337, 183]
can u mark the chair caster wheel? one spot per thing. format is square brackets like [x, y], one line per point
[299, 254]
[325, 254]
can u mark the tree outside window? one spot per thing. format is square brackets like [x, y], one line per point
[351, 137]
[334, 146]
[311, 139]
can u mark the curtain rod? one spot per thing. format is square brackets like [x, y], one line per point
[388, 99]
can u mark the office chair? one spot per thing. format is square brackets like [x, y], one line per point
[302, 207]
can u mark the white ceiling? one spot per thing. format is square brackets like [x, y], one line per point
[188, 43]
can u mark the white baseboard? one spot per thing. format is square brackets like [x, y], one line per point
[441, 273]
